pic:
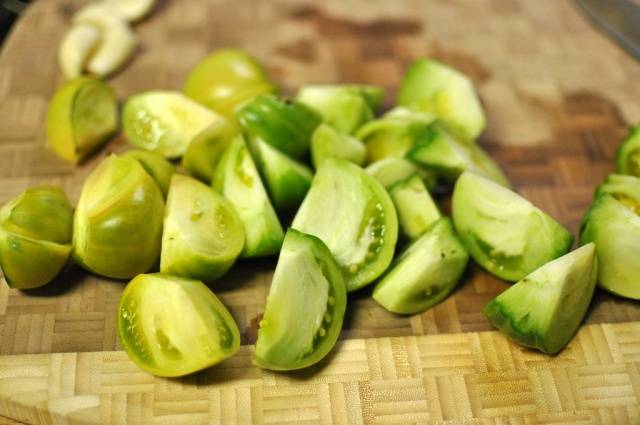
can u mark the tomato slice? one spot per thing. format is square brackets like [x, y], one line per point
[305, 306]
[350, 211]
[171, 326]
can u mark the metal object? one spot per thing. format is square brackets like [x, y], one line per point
[619, 18]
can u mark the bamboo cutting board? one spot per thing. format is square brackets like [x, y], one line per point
[559, 97]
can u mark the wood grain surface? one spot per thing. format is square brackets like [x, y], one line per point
[559, 97]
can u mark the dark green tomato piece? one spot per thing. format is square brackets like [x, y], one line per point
[433, 87]
[39, 213]
[227, 79]
[344, 108]
[545, 309]
[416, 209]
[305, 306]
[440, 151]
[171, 326]
[285, 124]
[30, 263]
[327, 142]
[117, 226]
[287, 180]
[156, 166]
[628, 155]
[425, 273]
[353, 214]
[614, 226]
[503, 232]
[206, 149]
[238, 180]
[203, 235]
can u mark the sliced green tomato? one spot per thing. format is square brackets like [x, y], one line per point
[389, 171]
[285, 124]
[353, 214]
[433, 87]
[628, 155]
[287, 180]
[425, 273]
[615, 229]
[164, 121]
[625, 189]
[505, 233]
[82, 115]
[227, 79]
[171, 326]
[30, 263]
[444, 154]
[545, 309]
[205, 150]
[40, 213]
[416, 209]
[117, 226]
[326, 142]
[203, 234]
[394, 134]
[305, 306]
[374, 95]
[344, 108]
[238, 180]
[156, 166]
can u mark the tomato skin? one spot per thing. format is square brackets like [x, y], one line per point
[226, 79]
[171, 326]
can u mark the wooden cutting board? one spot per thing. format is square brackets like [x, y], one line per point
[559, 97]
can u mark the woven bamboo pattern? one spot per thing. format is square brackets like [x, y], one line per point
[472, 378]
[559, 97]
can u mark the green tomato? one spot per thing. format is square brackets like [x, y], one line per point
[390, 171]
[117, 226]
[327, 142]
[238, 180]
[305, 306]
[156, 166]
[203, 234]
[286, 124]
[628, 155]
[416, 209]
[171, 326]
[205, 150]
[226, 79]
[352, 213]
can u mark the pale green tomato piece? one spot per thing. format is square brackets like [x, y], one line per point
[425, 273]
[287, 180]
[305, 306]
[344, 108]
[628, 155]
[390, 171]
[227, 79]
[614, 226]
[205, 150]
[443, 153]
[238, 180]
[29, 263]
[354, 216]
[40, 213]
[416, 209]
[82, 116]
[327, 142]
[203, 234]
[504, 233]
[545, 309]
[156, 166]
[431, 86]
[171, 326]
[625, 189]
[285, 124]
[117, 226]
[164, 121]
